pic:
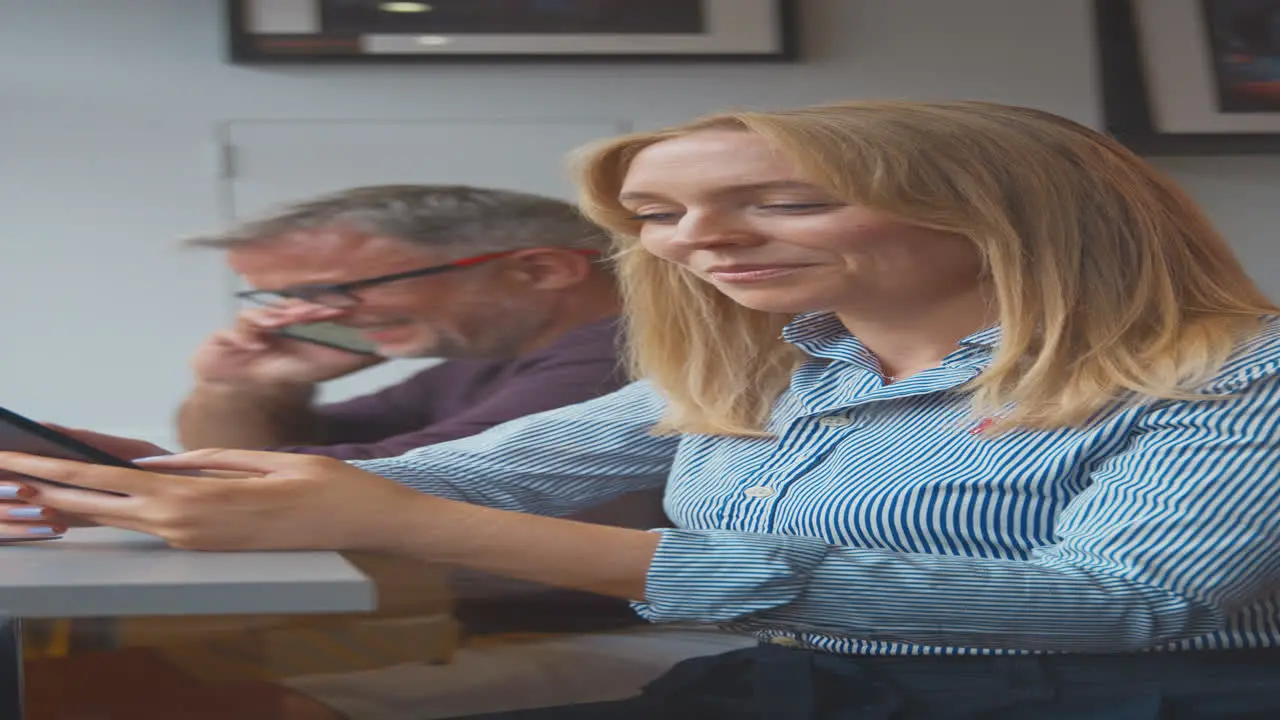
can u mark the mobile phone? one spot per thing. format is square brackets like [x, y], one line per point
[330, 334]
[24, 435]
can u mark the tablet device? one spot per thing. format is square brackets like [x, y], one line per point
[20, 434]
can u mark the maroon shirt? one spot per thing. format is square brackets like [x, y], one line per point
[458, 398]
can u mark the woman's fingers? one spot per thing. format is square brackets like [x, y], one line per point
[12, 490]
[21, 521]
[10, 532]
[106, 478]
[208, 499]
[227, 461]
[15, 513]
[86, 506]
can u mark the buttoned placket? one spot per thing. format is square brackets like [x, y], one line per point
[756, 501]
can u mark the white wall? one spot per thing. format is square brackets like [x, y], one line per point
[107, 109]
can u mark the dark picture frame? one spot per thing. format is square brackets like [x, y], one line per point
[1128, 89]
[767, 31]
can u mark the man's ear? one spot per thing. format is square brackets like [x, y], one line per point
[550, 268]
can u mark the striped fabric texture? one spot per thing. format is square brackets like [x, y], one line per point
[881, 520]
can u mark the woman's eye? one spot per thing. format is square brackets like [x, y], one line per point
[654, 217]
[795, 207]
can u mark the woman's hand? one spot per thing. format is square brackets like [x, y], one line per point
[246, 500]
[242, 500]
[19, 520]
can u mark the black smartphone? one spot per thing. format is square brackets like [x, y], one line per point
[330, 334]
[24, 435]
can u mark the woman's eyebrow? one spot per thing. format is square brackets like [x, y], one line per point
[727, 189]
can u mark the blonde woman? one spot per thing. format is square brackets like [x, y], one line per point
[962, 409]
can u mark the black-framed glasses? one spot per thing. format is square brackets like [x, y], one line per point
[343, 295]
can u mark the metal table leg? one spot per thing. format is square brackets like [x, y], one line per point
[11, 705]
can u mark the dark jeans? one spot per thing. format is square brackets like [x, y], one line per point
[776, 683]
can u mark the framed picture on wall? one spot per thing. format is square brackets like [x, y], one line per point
[262, 31]
[1191, 77]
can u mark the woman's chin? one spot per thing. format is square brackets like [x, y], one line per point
[773, 301]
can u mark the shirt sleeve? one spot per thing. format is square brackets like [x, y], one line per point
[536, 390]
[1174, 534]
[553, 463]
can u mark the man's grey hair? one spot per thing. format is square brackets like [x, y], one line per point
[453, 218]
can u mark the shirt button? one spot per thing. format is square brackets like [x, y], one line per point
[759, 491]
[835, 421]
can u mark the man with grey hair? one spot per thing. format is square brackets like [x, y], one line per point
[511, 289]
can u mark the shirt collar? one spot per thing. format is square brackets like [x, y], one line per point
[823, 335]
[986, 338]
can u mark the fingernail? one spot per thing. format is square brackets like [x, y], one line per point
[9, 492]
[26, 512]
[41, 530]
[149, 458]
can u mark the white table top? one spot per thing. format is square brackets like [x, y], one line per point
[104, 572]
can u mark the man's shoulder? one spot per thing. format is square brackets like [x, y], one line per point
[590, 347]
[599, 340]
[592, 351]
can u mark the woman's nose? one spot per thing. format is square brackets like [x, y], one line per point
[711, 230]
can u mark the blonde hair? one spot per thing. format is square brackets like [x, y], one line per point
[1110, 282]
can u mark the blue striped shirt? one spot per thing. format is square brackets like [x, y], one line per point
[879, 521]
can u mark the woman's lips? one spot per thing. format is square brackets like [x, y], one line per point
[753, 273]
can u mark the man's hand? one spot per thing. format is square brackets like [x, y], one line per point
[250, 354]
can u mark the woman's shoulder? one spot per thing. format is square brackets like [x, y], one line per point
[1257, 357]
